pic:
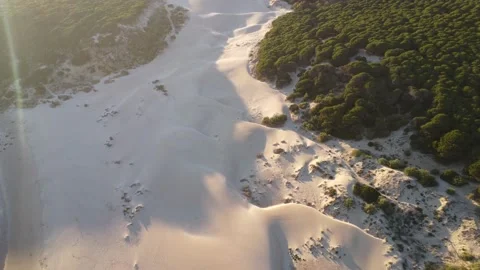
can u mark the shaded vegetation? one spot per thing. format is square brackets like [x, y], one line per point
[277, 120]
[422, 176]
[366, 193]
[453, 178]
[429, 70]
[323, 137]
[395, 164]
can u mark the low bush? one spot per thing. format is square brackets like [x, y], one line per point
[387, 207]
[323, 137]
[366, 193]
[360, 153]
[384, 162]
[422, 176]
[331, 191]
[294, 108]
[453, 178]
[450, 191]
[369, 208]
[277, 120]
[348, 203]
[395, 164]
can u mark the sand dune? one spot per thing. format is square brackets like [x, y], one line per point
[130, 178]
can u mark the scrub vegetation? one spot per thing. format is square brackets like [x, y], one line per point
[372, 66]
[51, 38]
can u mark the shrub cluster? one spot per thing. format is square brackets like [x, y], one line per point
[395, 164]
[373, 199]
[361, 153]
[453, 178]
[422, 176]
[366, 193]
[323, 137]
[277, 120]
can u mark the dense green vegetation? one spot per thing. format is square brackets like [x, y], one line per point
[366, 193]
[277, 120]
[422, 176]
[453, 178]
[395, 164]
[373, 199]
[429, 70]
[44, 34]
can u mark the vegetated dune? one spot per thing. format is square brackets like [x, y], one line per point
[135, 176]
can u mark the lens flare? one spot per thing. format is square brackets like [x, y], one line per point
[14, 66]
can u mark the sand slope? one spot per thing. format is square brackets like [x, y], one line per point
[130, 178]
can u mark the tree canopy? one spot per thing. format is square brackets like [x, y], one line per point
[374, 65]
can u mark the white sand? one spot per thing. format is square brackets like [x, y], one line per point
[128, 178]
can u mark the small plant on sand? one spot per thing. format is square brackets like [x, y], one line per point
[450, 191]
[323, 137]
[387, 207]
[331, 191]
[422, 176]
[453, 178]
[294, 108]
[348, 203]
[395, 164]
[384, 162]
[360, 153]
[369, 208]
[277, 120]
[366, 193]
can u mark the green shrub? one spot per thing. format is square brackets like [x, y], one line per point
[303, 105]
[422, 176]
[387, 207]
[384, 162]
[323, 137]
[366, 193]
[474, 170]
[451, 191]
[348, 203]
[360, 153]
[331, 191]
[277, 120]
[369, 208]
[397, 164]
[453, 178]
[294, 108]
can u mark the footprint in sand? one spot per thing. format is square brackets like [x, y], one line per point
[108, 113]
